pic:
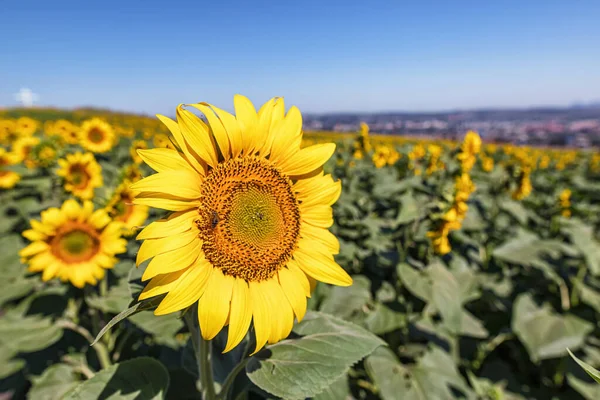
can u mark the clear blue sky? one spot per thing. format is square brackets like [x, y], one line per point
[148, 56]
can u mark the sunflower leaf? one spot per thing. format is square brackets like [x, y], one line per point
[143, 378]
[306, 366]
[591, 371]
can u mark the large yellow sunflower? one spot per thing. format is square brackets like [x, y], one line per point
[248, 233]
[121, 208]
[8, 179]
[73, 243]
[96, 135]
[81, 174]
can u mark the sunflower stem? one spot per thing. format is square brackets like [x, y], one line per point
[202, 350]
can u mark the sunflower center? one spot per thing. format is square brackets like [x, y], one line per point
[78, 176]
[249, 219]
[96, 135]
[75, 243]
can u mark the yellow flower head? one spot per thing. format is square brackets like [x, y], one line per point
[81, 174]
[121, 208]
[487, 164]
[43, 155]
[380, 156]
[73, 243]
[65, 130]
[471, 143]
[135, 146]
[249, 228]
[22, 147]
[7, 131]
[96, 136]
[8, 179]
[26, 126]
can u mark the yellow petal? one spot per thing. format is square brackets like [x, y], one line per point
[264, 125]
[241, 314]
[176, 223]
[260, 314]
[152, 247]
[34, 248]
[161, 284]
[213, 307]
[217, 128]
[287, 136]
[283, 317]
[322, 268]
[174, 260]
[33, 235]
[71, 208]
[320, 189]
[162, 160]
[318, 215]
[307, 160]
[300, 277]
[181, 183]
[165, 201]
[196, 133]
[293, 292]
[190, 286]
[248, 121]
[321, 235]
[176, 131]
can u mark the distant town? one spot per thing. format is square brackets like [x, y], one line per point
[577, 126]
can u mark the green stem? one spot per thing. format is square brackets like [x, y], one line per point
[100, 348]
[231, 378]
[202, 350]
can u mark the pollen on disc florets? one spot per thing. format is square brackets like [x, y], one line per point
[249, 219]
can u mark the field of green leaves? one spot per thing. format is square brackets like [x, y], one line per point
[475, 268]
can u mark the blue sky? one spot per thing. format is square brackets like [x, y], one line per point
[323, 56]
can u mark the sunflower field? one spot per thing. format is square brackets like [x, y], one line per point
[232, 256]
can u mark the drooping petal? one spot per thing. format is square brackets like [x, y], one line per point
[260, 314]
[241, 314]
[213, 307]
[189, 288]
[293, 292]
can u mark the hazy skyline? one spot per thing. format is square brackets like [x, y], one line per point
[339, 56]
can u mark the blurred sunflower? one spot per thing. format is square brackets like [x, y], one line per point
[131, 173]
[249, 230]
[8, 179]
[96, 135]
[43, 155]
[81, 174]
[73, 243]
[7, 129]
[65, 130]
[121, 208]
[22, 148]
[135, 146]
[26, 126]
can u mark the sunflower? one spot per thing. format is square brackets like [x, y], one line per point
[43, 155]
[73, 243]
[7, 131]
[120, 208]
[96, 135]
[65, 130]
[26, 126]
[8, 179]
[135, 146]
[81, 174]
[22, 147]
[248, 234]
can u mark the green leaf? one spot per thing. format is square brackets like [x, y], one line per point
[409, 210]
[591, 371]
[143, 305]
[344, 302]
[28, 334]
[338, 390]
[162, 327]
[544, 333]
[430, 378]
[446, 297]
[383, 319]
[589, 391]
[582, 237]
[140, 378]
[416, 282]
[117, 299]
[304, 367]
[527, 249]
[514, 209]
[54, 382]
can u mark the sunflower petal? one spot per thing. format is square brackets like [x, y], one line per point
[162, 160]
[176, 223]
[248, 121]
[196, 133]
[287, 137]
[241, 314]
[260, 314]
[190, 287]
[173, 260]
[293, 291]
[160, 284]
[322, 268]
[213, 306]
[180, 183]
[217, 128]
[152, 247]
[307, 160]
[320, 215]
